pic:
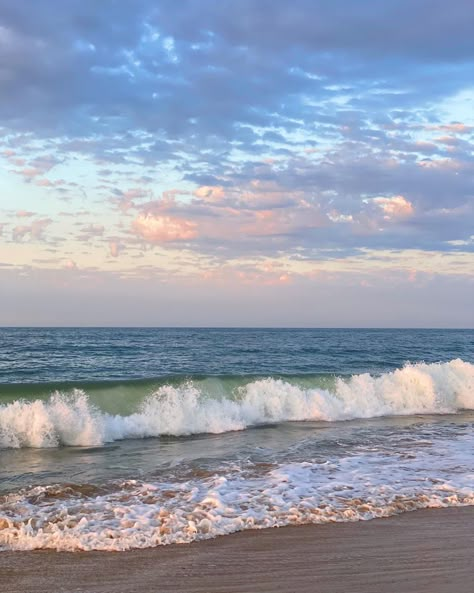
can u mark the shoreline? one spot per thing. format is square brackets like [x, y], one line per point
[425, 551]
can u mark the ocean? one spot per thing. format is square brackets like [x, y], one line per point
[119, 438]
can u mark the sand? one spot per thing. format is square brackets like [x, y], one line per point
[428, 551]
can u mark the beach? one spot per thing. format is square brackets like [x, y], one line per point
[428, 551]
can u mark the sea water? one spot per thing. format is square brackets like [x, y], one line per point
[113, 439]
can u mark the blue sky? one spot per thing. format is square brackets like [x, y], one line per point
[239, 162]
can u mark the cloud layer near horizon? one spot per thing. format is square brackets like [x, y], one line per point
[306, 146]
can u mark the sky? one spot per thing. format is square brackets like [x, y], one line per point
[237, 163]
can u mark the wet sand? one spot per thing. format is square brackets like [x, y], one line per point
[421, 552]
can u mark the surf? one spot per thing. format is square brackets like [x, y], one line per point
[72, 417]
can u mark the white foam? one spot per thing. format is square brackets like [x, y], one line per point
[63, 419]
[70, 419]
[359, 486]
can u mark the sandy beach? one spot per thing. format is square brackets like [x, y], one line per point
[425, 551]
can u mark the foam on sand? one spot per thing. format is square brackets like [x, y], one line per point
[361, 485]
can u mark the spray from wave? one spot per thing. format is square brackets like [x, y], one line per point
[71, 419]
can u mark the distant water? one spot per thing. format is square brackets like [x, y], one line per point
[122, 438]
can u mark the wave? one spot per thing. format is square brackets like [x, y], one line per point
[187, 408]
[135, 514]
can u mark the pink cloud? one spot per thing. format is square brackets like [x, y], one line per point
[458, 128]
[395, 207]
[30, 173]
[49, 183]
[35, 229]
[210, 193]
[267, 222]
[70, 265]
[127, 198]
[169, 195]
[163, 229]
[263, 278]
[16, 161]
[137, 192]
[423, 145]
[24, 214]
[449, 140]
[44, 183]
[268, 274]
[36, 167]
[441, 164]
[115, 248]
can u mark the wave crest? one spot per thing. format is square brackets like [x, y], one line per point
[71, 419]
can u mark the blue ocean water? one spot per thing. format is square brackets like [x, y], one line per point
[116, 438]
[38, 355]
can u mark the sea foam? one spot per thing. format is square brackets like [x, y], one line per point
[364, 484]
[71, 419]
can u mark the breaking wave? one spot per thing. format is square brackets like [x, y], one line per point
[185, 409]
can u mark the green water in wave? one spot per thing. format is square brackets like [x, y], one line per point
[124, 397]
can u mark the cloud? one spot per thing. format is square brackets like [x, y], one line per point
[35, 230]
[210, 193]
[380, 299]
[457, 127]
[395, 207]
[49, 183]
[115, 248]
[240, 131]
[35, 167]
[90, 232]
[163, 229]
[24, 214]
[70, 265]
[94, 72]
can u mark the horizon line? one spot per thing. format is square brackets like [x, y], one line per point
[243, 327]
